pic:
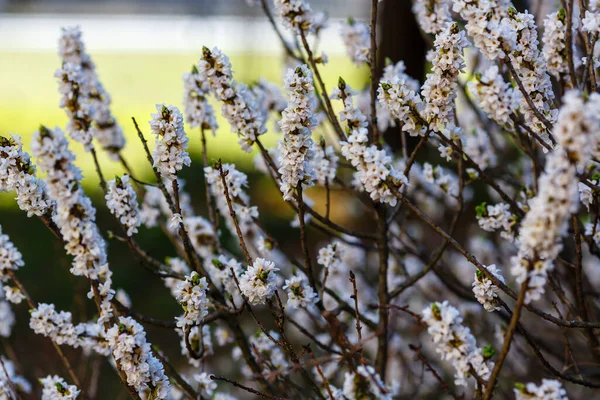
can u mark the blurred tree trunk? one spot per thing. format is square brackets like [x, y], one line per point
[400, 40]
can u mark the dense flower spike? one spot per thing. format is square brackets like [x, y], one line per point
[374, 169]
[239, 105]
[432, 16]
[56, 388]
[485, 291]
[297, 123]
[296, 15]
[550, 389]
[198, 112]
[555, 45]
[18, 174]
[439, 89]
[365, 383]
[121, 200]
[191, 294]
[170, 154]
[547, 221]
[397, 96]
[257, 283]
[324, 163]
[495, 97]
[357, 40]
[455, 343]
[144, 372]
[10, 257]
[105, 127]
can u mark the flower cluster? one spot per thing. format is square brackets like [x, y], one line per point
[170, 154]
[300, 293]
[555, 45]
[198, 112]
[455, 342]
[374, 169]
[296, 15]
[495, 97]
[432, 16]
[132, 353]
[297, 123]
[17, 173]
[547, 221]
[121, 200]
[191, 294]
[258, 282]
[56, 388]
[9, 379]
[439, 89]
[324, 164]
[550, 389]
[105, 128]
[398, 97]
[494, 217]
[357, 40]
[239, 105]
[484, 289]
[10, 257]
[365, 383]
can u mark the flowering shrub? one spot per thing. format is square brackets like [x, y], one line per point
[474, 272]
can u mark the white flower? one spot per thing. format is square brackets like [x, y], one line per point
[495, 97]
[550, 389]
[13, 294]
[56, 388]
[432, 16]
[297, 123]
[357, 40]
[300, 293]
[131, 351]
[191, 294]
[10, 257]
[175, 222]
[20, 383]
[258, 282]
[198, 112]
[555, 45]
[365, 383]
[121, 200]
[324, 164]
[494, 217]
[206, 386]
[455, 343]
[485, 291]
[296, 15]
[374, 169]
[239, 105]
[105, 128]
[170, 154]
[18, 174]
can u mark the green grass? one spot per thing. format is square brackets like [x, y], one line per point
[136, 83]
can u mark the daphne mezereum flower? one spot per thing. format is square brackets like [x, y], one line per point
[297, 123]
[75, 216]
[191, 294]
[554, 50]
[403, 103]
[498, 216]
[550, 389]
[10, 257]
[198, 112]
[269, 98]
[531, 68]
[258, 282]
[300, 294]
[373, 166]
[324, 164]
[484, 289]
[18, 174]
[439, 89]
[170, 153]
[56, 388]
[546, 223]
[365, 383]
[71, 49]
[121, 200]
[357, 40]
[132, 353]
[240, 201]
[238, 103]
[7, 317]
[296, 15]
[495, 96]
[455, 343]
[484, 24]
[432, 15]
